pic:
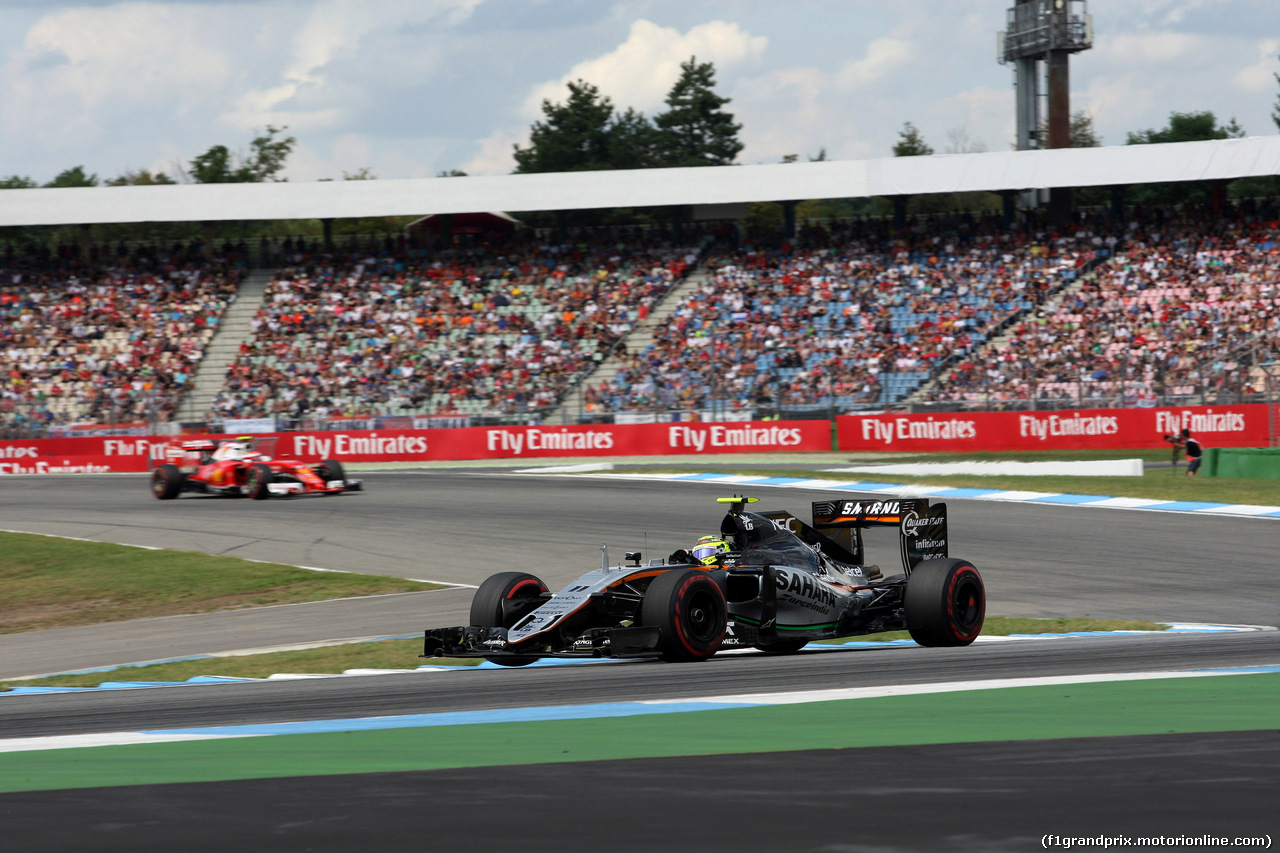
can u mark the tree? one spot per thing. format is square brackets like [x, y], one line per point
[215, 167]
[1188, 127]
[268, 154]
[574, 137]
[1082, 132]
[74, 177]
[1275, 112]
[695, 130]
[910, 143]
[633, 141]
[960, 142]
[139, 178]
[361, 174]
[17, 182]
[264, 163]
[451, 173]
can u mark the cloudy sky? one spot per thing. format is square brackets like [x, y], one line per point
[410, 88]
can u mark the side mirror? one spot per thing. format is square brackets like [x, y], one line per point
[633, 556]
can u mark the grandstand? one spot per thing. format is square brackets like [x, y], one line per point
[1186, 311]
[114, 343]
[834, 322]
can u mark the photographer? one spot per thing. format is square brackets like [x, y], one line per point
[1194, 452]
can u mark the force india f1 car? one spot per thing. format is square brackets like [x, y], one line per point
[243, 466]
[782, 584]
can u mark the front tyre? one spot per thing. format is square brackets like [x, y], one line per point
[166, 481]
[945, 603]
[257, 481]
[689, 609]
[331, 469]
[502, 601]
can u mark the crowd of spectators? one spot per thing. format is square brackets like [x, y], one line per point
[112, 341]
[855, 315]
[845, 316]
[499, 329]
[1182, 311]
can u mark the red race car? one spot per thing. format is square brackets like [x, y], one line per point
[243, 466]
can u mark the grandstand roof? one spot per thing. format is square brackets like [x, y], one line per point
[1006, 170]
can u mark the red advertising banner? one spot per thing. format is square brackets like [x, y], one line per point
[102, 454]
[1083, 429]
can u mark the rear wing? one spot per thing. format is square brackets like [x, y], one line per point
[922, 529]
[184, 454]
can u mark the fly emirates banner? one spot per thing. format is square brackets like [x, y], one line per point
[1081, 429]
[130, 453]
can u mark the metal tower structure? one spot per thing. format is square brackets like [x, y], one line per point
[1045, 32]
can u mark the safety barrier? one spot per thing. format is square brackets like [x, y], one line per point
[1085, 429]
[1259, 463]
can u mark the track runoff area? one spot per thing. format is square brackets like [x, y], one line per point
[1204, 700]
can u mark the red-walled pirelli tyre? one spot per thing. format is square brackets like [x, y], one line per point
[945, 603]
[256, 481]
[166, 482]
[521, 593]
[689, 608]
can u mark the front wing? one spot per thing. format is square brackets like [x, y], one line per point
[297, 487]
[474, 641]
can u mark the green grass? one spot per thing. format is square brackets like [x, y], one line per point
[1155, 483]
[58, 583]
[381, 654]
[1004, 626]
[403, 654]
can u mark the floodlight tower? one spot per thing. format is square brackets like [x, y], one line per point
[1048, 32]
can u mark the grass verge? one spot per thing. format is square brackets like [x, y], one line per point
[59, 583]
[403, 654]
[1155, 483]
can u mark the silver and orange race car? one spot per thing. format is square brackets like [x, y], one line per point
[243, 466]
[779, 584]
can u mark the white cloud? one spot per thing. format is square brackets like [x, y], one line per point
[883, 56]
[1160, 48]
[495, 154]
[333, 29]
[640, 72]
[1260, 76]
[77, 69]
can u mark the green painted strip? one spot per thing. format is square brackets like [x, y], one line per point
[1226, 703]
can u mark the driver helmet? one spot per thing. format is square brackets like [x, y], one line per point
[708, 548]
[238, 448]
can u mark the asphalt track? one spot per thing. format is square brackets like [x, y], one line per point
[458, 526]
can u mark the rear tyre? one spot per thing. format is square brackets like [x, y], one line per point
[782, 647]
[331, 469]
[501, 601]
[689, 610]
[945, 603]
[166, 481]
[257, 481]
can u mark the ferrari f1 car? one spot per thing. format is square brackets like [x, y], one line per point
[782, 584]
[243, 466]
